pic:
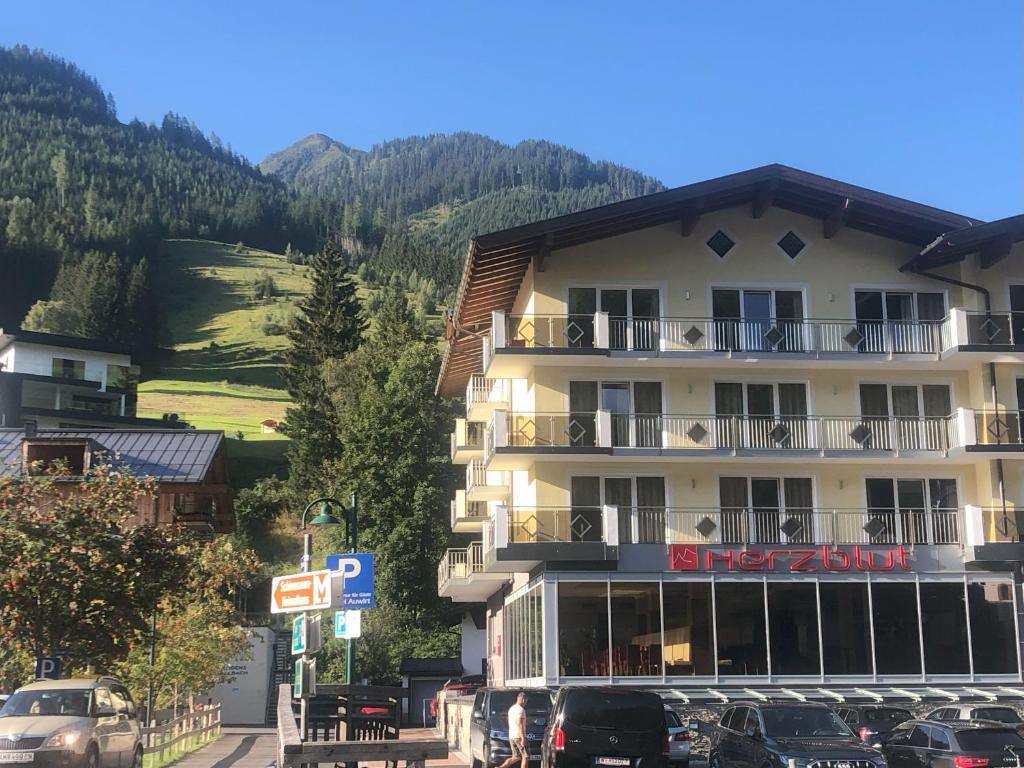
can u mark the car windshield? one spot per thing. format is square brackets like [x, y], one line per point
[802, 722]
[537, 702]
[49, 702]
[614, 710]
[886, 715]
[999, 714]
[990, 740]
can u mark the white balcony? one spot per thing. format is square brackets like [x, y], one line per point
[461, 575]
[517, 538]
[467, 441]
[485, 485]
[484, 396]
[467, 516]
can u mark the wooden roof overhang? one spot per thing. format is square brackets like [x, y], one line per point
[496, 263]
[992, 242]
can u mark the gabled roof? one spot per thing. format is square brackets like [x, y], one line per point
[496, 263]
[166, 455]
[991, 241]
[59, 340]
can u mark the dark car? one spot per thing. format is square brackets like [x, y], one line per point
[955, 744]
[872, 722]
[606, 728]
[999, 714]
[769, 735]
[488, 730]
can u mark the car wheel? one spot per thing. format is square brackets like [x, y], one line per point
[476, 763]
[137, 758]
[92, 758]
[714, 762]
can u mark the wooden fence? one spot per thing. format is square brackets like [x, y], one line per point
[180, 735]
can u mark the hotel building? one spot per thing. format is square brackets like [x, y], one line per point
[761, 431]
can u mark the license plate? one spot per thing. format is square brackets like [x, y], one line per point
[17, 757]
[614, 761]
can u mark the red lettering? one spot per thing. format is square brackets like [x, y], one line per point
[890, 561]
[683, 557]
[687, 557]
[801, 563]
[858, 558]
[901, 557]
[835, 560]
[751, 561]
[711, 557]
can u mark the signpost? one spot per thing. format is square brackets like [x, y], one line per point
[48, 667]
[348, 625]
[301, 592]
[306, 634]
[358, 570]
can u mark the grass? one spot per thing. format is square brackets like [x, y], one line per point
[180, 750]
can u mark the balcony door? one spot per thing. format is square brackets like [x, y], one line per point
[906, 416]
[912, 511]
[761, 415]
[641, 504]
[893, 320]
[766, 510]
[635, 408]
[633, 316]
[758, 320]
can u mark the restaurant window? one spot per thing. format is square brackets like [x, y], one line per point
[740, 627]
[583, 629]
[793, 628]
[993, 638]
[524, 635]
[688, 627]
[63, 368]
[845, 628]
[636, 629]
[944, 626]
[897, 635]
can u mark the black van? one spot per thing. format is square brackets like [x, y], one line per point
[606, 728]
[488, 728]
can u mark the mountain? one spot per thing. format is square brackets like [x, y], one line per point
[413, 203]
[76, 179]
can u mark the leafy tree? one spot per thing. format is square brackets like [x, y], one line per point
[264, 287]
[328, 327]
[75, 574]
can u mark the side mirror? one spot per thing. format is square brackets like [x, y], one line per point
[753, 733]
[105, 712]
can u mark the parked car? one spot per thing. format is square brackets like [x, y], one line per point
[1001, 714]
[770, 735]
[872, 722]
[606, 728]
[953, 744]
[488, 729]
[83, 723]
[679, 740]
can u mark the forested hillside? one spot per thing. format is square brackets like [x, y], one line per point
[73, 179]
[414, 203]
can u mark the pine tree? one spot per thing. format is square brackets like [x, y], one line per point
[327, 327]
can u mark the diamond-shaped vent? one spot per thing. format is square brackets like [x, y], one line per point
[998, 428]
[874, 528]
[693, 335]
[575, 431]
[706, 527]
[860, 434]
[530, 527]
[990, 328]
[523, 430]
[791, 244]
[573, 332]
[697, 433]
[773, 336]
[525, 331]
[581, 526]
[854, 338]
[780, 433]
[791, 527]
[720, 243]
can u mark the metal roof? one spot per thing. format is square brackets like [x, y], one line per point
[874, 694]
[166, 455]
[60, 340]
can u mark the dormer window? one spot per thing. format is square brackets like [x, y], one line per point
[63, 368]
[40, 454]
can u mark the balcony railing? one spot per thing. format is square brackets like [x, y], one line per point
[804, 525]
[486, 392]
[602, 429]
[484, 484]
[999, 427]
[811, 336]
[460, 564]
[465, 512]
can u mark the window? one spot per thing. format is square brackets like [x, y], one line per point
[524, 643]
[897, 321]
[912, 511]
[993, 641]
[118, 701]
[905, 417]
[940, 739]
[688, 628]
[758, 320]
[761, 416]
[64, 368]
[897, 637]
[122, 376]
[641, 503]
[793, 628]
[720, 243]
[103, 702]
[636, 629]
[791, 244]
[766, 510]
[845, 628]
[919, 737]
[944, 624]
[41, 454]
[635, 408]
[633, 316]
[742, 644]
[583, 629]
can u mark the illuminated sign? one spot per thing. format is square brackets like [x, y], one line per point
[824, 559]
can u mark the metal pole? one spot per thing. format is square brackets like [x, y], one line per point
[353, 534]
[307, 558]
[150, 720]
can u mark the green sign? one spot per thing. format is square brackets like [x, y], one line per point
[299, 641]
[299, 680]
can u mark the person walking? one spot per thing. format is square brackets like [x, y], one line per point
[517, 734]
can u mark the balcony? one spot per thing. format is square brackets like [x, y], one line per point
[515, 440]
[485, 485]
[999, 431]
[593, 339]
[467, 516]
[993, 536]
[461, 575]
[484, 396]
[517, 538]
[467, 441]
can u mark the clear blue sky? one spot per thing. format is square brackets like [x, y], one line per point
[920, 98]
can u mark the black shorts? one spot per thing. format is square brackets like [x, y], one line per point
[518, 747]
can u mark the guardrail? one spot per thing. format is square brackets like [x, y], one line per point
[180, 735]
[460, 563]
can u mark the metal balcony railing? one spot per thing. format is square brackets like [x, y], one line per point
[802, 525]
[555, 524]
[460, 564]
[491, 392]
[994, 328]
[999, 427]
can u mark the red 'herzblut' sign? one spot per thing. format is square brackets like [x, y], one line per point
[694, 557]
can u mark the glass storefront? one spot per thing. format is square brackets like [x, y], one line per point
[785, 628]
[524, 635]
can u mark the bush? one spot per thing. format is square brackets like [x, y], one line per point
[273, 329]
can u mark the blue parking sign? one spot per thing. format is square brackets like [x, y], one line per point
[358, 571]
[48, 668]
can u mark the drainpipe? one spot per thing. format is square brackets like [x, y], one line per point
[987, 297]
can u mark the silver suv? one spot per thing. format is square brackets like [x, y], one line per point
[85, 723]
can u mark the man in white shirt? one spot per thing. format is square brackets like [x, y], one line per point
[517, 734]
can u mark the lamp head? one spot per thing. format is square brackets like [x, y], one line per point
[325, 516]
